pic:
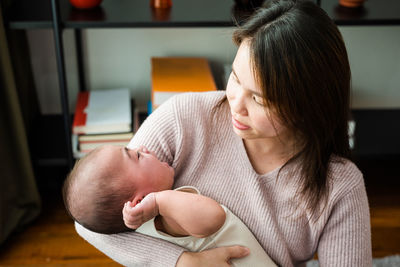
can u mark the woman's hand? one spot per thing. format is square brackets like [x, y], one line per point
[218, 257]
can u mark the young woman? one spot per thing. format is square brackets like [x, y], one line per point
[273, 148]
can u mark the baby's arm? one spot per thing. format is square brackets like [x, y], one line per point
[181, 213]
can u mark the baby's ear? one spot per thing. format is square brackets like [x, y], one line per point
[137, 199]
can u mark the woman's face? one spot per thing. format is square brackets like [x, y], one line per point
[251, 119]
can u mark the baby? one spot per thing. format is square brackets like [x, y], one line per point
[115, 189]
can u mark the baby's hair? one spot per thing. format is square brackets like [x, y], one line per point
[98, 207]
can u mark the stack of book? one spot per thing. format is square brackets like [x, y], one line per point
[174, 75]
[102, 117]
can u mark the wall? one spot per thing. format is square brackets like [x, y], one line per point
[121, 58]
[374, 54]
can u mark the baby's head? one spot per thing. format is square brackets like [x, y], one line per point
[98, 186]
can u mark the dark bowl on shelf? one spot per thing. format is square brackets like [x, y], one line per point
[249, 3]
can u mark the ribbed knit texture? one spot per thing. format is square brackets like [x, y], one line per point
[207, 154]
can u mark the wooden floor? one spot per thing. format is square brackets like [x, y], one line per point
[52, 241]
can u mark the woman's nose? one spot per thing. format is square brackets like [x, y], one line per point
[238, 104]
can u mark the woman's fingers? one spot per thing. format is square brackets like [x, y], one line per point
[234, 252]
[216, 257]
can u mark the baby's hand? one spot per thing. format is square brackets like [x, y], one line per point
[135, 216]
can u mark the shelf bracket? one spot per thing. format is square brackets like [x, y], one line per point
[57, 32]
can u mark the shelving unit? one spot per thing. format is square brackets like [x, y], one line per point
[60, 15]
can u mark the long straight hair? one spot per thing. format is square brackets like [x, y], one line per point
[300, 61]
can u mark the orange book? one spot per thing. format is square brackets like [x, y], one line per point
[173, 75]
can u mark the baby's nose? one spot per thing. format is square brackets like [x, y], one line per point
[143, 149]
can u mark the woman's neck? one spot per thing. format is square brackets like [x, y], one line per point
[268, 154]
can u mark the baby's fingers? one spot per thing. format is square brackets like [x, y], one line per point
[132, 216]
[131, 213]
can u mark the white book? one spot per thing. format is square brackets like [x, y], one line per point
[103, 111]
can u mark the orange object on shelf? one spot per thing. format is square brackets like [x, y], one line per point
[351, 3]
[161, 3]
[85, 4]
[173, 75]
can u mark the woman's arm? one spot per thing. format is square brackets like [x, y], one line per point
[346, 240]
[181, 213]
[133, 249]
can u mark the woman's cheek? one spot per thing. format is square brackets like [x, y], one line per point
[229, 88]
[263, 123]
[233, 87]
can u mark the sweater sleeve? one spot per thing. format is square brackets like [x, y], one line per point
[160, 134]
[346, 239]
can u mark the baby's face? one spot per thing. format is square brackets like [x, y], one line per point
[138, 168]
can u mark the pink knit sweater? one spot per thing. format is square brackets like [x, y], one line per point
[207, 154]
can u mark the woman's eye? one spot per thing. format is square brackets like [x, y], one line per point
[234, 78]
[138, 154]
[258, 100]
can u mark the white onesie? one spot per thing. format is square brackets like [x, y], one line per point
[233, 232]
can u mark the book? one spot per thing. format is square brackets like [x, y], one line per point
[87, 147]
[84, 143]
[104, 138]
[76, 153]
[174, 75]
[105, 111]
[90, 142]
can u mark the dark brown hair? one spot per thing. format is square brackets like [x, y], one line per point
[99, 206]
[300, 61]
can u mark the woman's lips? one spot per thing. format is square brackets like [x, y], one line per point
[239, 125]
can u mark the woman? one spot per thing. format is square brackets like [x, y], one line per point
[273, 149]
